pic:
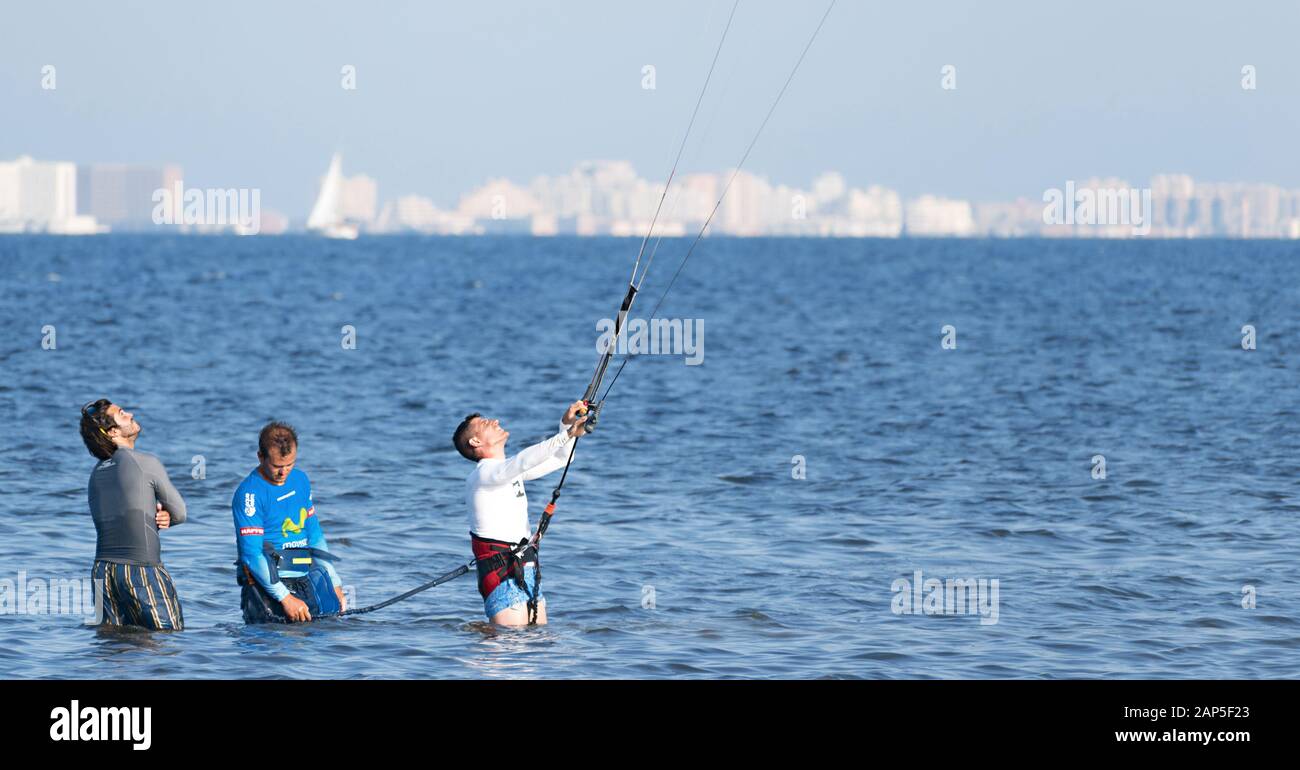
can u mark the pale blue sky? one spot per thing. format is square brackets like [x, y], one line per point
[247, 93]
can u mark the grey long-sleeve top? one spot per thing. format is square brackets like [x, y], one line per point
[123, 492]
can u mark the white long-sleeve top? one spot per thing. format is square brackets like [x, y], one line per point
[494, 490]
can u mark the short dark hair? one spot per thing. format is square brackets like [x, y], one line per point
[460, 439]
[95, 426]
[280, 435]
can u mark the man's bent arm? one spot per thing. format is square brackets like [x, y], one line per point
[163, 489]
[316, 539]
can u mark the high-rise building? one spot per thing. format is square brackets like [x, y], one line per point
[123, 196]
[499, 199]
[1173, 205]
[10, 196]
[828, 188]
[413, 213]
[699, 193]
[876, 212]
[41, 196]
[747, 205]
[1014, 219]
[932, 216]
[359, 199]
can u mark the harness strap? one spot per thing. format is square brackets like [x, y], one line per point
[498, 561]
[273, 558]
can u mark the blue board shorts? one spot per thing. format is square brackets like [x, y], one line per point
[509, 594]
[138, 595]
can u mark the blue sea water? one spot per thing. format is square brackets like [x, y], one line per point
[684, 545]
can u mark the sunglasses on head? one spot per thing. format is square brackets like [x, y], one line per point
[97, 411]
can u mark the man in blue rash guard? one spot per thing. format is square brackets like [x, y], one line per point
[284, 564]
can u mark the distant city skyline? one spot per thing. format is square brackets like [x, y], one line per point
[611, 198]
[449, 95]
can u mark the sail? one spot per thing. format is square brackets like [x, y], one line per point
[326, 211]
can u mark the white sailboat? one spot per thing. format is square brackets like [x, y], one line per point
[326, 218]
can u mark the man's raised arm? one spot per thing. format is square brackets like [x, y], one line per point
[540, 456]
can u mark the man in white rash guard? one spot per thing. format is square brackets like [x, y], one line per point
[498, 509]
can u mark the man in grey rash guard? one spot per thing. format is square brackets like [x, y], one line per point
[131, 501]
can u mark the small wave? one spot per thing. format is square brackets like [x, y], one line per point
[1210, 623]
[1116, 592]
[882, 655]
[1047, 533]
[756, 615]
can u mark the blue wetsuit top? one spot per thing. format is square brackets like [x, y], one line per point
[282, 516]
